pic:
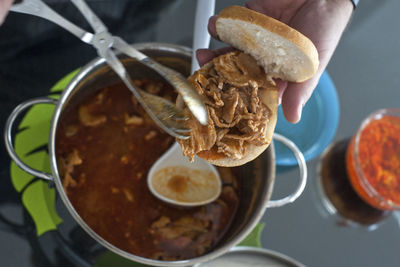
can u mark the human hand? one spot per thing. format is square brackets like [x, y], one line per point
[323, 22]
[4, 7]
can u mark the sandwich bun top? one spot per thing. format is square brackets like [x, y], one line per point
[282, 51]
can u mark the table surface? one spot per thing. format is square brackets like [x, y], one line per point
[366, 73]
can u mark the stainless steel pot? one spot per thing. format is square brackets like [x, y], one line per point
[257, 177]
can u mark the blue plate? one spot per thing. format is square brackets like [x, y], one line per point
[316, 128]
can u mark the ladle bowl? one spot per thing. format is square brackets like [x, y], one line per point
[186, 190]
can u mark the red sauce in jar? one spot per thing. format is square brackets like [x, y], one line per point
[373, 161]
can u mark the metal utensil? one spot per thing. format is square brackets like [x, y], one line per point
[173, 156]
[170, 118]
[201, 38]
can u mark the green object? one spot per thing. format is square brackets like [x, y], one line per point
[30, 144]
[254, 238]
[33, 136]
[39, 200]
[61, 84]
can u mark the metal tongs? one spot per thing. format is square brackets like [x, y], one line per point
[164, 113]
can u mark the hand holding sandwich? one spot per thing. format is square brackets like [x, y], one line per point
[323, 22]
[282, 48]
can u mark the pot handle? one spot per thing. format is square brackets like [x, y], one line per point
[8, 135]
[303, 174]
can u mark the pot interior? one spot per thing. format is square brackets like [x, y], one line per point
[256, 178]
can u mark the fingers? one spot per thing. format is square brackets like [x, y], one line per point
[295, 97]
[282, 87]
[205, 55]
[212, 28]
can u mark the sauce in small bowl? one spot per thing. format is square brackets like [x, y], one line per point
[184, 186]
[373, 160]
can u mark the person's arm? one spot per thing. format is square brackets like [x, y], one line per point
[321, 21]
[4, 7]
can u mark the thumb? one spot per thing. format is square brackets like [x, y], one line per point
[296, 96]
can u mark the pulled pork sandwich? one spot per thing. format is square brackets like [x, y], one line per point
[238, 88]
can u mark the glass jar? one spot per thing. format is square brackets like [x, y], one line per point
[373, 160]
[337, 199]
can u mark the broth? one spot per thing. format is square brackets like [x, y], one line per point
[105, 146]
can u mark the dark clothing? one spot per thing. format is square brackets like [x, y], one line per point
[35, 53]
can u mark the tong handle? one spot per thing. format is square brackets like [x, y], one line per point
[117, 66]
[94, 21]
[40, 9]
[189, 94]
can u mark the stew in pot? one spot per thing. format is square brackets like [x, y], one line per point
[105, 146]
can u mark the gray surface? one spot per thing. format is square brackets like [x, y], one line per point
[366, 71]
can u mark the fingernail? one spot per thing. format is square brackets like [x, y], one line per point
[299, 110]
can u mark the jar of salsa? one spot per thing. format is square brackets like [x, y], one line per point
[373, 160]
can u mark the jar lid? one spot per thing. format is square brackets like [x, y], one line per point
[317, 127]
[250, 256]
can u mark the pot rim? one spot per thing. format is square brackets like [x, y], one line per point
[254, 219]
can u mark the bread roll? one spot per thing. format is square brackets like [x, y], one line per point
[267, 49]
[281, 50]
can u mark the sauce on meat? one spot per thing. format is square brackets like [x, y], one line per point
[234, 89]
[105, 146]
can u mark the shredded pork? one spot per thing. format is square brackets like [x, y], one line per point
[230, 87]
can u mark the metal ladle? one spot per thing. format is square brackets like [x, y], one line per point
[173, 157]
